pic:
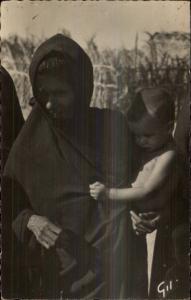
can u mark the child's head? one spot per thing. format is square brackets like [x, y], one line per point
[151, 118]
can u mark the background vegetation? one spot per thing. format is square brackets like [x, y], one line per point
[162, 61]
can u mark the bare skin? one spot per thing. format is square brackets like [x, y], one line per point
[45, 231]
[158, 180]
[149, 194]
[144, 223]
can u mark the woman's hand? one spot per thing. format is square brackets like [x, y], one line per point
[144, 223]
[97, 189]
[45, 231]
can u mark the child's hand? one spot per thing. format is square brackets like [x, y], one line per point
[144, 223]
[96, 189]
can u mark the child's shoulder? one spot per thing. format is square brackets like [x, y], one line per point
[169, 160]
[165, 158]
[168, 152]
[168, 156]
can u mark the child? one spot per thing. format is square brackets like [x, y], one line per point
[151, 119]
[159, 183]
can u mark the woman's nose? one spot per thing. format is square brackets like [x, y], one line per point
[142, 139]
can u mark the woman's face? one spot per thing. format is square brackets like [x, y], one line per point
[56, 95]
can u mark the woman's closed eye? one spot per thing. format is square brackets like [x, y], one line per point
[144, 136]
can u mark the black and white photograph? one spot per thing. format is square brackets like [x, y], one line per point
[95, 122]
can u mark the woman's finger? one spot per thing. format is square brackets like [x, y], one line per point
[47, 240]
[51, 236]
[45, 231]
[43, 243]
[144, 229]
[135, 220]
[140, 230]
[148, 215]
[35, 230]
[135, 216]
[137, 228]
[142, 224]
[54, 228]
[155, 220]
[150, 220]
[148, 224]
[139, 233]
[141, 227]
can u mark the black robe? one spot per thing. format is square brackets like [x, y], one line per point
[53, 177]
[11, 124]
[12, 118]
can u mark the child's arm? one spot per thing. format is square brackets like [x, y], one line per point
[157, 180]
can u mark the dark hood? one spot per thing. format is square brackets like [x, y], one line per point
[12, 118]
[80, 62]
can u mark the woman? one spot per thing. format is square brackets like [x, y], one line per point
[76, 248]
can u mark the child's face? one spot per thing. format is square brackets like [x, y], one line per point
[150, 140]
